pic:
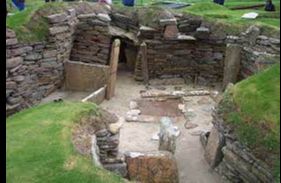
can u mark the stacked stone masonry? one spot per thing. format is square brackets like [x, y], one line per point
[35, 70]
[177, 45]
[231, 159]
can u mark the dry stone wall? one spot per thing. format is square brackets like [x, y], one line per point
[92, 39]
[34, 70]
[231, 159]
[177, 45]
[258, 51]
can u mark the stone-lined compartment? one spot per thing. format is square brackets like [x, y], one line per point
[178, 45]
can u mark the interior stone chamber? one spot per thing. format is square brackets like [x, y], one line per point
[176, 45]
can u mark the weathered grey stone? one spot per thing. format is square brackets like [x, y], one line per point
[86, 16]
[170, 21]
[13, 62]
[186, 37]
[57, 18]
[49, 53]
[58, 29]
[204, 138]
[18, 78]
[213, 152]
[252, 34]
[85, 77]
[11, 85]
[10, 33]
[104, 17]
[33, 56]
[167, 135]
[118, 168]
[231, 64]
[95, 151]
[10, 42]
[171, 32]
[202, 32]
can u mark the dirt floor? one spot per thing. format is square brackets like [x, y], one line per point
[138, 136]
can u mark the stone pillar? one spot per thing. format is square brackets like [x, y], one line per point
[143, 49]
[167, 136]
[231, 64]
[114, 57]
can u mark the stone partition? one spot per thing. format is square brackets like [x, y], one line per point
[81, 76]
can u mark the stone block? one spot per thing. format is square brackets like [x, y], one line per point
[213, 150]
[167, 135]
[231, 64]
[11, 41]
[202, 33]
[157, 167]
[33, 56]
[104, 17]
[49, 53]
[58, 29]
[85, 77]
[13, 62]
[171, 32]
[57, 18]
[118, 168]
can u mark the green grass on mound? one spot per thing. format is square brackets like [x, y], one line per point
[232, 18]
[30, 24]
[252, 108]
[39, 147]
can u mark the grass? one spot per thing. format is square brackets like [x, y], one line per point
[39, 147]
[232, 18]
[30, 25]
[252, 108]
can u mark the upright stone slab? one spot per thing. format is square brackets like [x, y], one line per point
[213, 152]
[157, 167]
[81, 76]
[143, 49]
[231, 64]
[167, 136]
[114, 56]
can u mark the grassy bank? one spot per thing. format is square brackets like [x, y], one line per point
[30, 25]
[39, 147]
[252, 108]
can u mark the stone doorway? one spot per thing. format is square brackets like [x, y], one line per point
[127, 56]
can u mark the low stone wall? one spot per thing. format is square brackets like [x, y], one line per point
[192, 59]
[231, 159]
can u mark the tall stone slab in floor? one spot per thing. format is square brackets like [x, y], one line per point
[81, 76]
[231, 64]
[113, 64]
[167, 136]
[213, 150]
[143, 49]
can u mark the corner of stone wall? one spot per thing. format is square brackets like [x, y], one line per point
[34, 70]
[230, 158]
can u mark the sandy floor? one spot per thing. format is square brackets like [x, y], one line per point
[137, 136]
